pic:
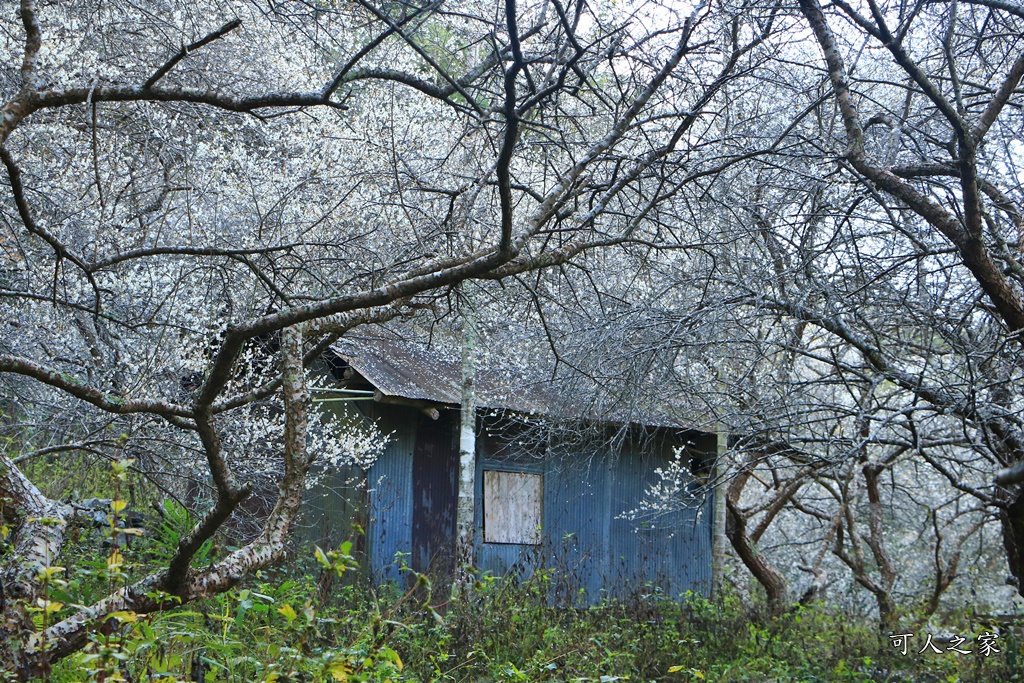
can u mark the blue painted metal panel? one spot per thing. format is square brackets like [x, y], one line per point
[644, 552]
[668, 552]
[503, 559]
[389, 527]
[576, 496]
[593, 550]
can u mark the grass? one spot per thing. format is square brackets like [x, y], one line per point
[281, 629]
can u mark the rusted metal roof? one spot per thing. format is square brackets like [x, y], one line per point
[414, 371]
[418, 372]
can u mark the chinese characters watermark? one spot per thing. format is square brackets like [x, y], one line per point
[986, 643]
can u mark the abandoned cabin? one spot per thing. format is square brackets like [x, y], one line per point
[547, 492]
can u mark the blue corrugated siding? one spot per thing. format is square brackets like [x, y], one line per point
[389, 527]
[593, 550]
[671, 552]
[575, 500]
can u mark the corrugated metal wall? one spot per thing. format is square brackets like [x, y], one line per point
[672, 552]
[593, 550]
[576, 525]
[435, 470]
[331, 509]
[389, 526]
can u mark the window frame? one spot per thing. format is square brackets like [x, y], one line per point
[535, 536]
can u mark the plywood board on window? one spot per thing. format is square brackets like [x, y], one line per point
[513, 507]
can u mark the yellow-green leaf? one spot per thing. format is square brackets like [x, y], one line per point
[121, 465]
[339, 670]
[49, 606]
[125, 616]
[47, 573]
[395, 659]
[288, 612]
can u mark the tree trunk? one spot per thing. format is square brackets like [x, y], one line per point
[28, 654]
[466, 510]
[718, 539]
[1012, 520]
[887, 615]
[770, 578]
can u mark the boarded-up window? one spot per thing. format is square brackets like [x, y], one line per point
[513, 507]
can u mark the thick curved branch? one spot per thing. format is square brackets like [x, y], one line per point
[146, 252]
[837, 74]
[783, 496]
[101, 399]
[28, 102]
[38, 536]
[880, 31]
[999, 100]
[349, 75]
[331, 329]
[964, 235]
[245, 104]
[186, 584]
[502, 168]
[1002, 201]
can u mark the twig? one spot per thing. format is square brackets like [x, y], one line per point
[186, 49]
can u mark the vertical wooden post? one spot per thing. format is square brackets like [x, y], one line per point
[718, 539]
[466, 511]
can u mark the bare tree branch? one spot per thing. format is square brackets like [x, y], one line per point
[186, 49]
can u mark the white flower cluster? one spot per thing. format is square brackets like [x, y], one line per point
[675, 489]
[345, 440]
[253, 440]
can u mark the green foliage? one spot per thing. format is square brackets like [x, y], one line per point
[276, 630]
[300, 623]
[503, 632]
[280, 628]
[175, 522]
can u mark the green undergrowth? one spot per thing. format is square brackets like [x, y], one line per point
[324, 626]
